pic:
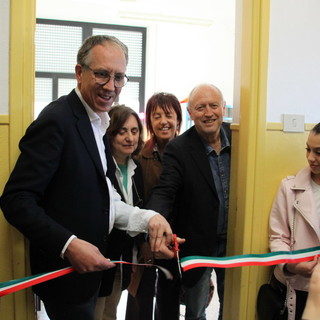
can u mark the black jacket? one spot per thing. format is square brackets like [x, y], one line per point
[58, 188]
[187, 197]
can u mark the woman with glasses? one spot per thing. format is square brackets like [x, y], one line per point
[163, 122]
[125, 134]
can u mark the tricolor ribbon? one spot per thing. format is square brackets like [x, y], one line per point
[266, 259]
[19, 284]
[187, 263]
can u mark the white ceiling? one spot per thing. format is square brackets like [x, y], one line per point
[178, 11]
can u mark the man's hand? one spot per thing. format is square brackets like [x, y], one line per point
[160, 237]
[85, 257]
[160, 233]
[167, 252]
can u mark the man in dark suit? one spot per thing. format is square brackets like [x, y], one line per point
[60, 193]
[193, 194]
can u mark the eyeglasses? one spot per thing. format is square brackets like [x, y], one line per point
[103, 77]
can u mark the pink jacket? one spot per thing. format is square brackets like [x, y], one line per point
[294, 209]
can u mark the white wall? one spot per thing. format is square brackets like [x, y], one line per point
[4, 55]
[188, 42]
[191, 42]
[294, 60]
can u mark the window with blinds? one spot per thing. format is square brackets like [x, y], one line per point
[57, 43]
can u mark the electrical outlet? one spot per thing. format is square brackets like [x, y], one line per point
[293, 123]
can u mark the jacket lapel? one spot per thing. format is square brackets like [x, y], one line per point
[304, 201]
[85, 131]
[200, 158]
[110, 163]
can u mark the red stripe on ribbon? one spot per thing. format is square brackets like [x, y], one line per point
[35, 281]
[247, 263]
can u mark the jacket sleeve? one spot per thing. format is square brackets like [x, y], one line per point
[25, 190]
[130, 218]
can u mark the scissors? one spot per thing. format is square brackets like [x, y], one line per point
[176, 253]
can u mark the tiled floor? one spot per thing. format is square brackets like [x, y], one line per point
[211, 310]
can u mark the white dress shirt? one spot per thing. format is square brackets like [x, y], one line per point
[122, 216]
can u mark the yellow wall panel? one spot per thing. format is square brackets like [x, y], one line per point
[248, 159]
[285, 155]
[6, 303]
[16, 306]
[4, 155]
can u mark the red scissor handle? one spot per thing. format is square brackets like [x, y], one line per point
[175, 246]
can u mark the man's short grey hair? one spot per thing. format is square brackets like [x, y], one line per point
[83, 57]
[200, 86]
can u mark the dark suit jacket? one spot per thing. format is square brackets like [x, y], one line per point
[187, 197]
[58, 188]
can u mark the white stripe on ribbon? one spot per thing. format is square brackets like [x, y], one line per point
[266, 259]
[187, 263]
[19, 284]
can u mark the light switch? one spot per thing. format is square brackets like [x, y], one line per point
[293, 123]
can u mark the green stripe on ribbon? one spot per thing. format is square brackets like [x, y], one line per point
[265, 259]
